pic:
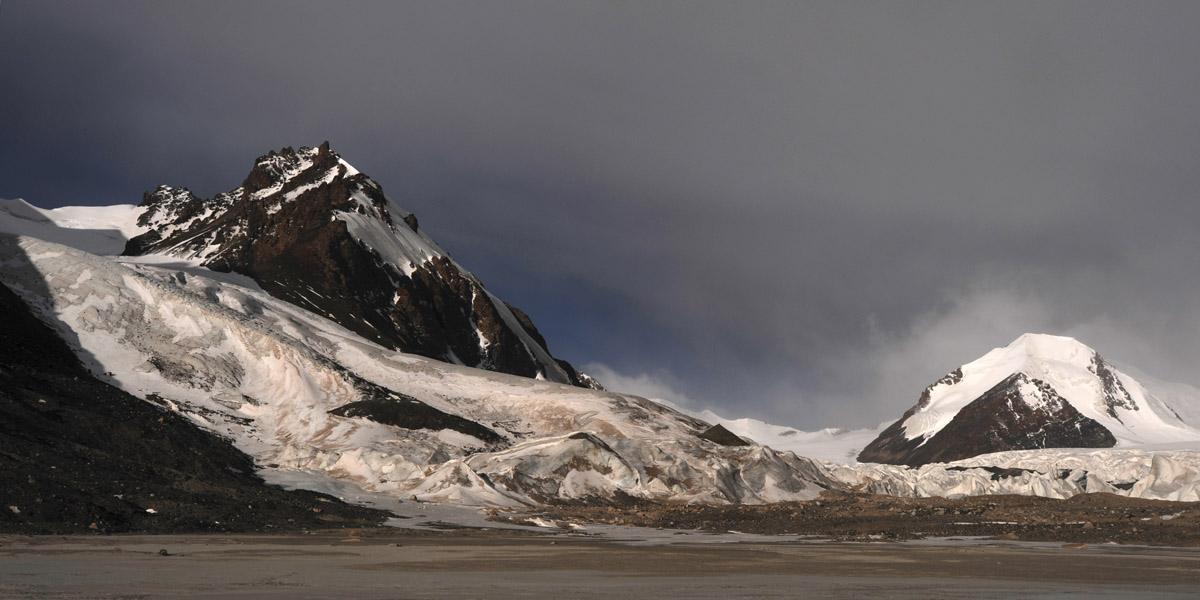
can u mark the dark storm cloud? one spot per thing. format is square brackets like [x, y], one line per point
[801, 212]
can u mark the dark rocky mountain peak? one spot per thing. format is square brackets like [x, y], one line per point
[311, 229]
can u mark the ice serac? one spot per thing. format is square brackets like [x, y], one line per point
[314, 231]
[1040, 391]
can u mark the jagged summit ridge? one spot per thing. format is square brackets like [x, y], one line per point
[1040, 391]
[311, 229]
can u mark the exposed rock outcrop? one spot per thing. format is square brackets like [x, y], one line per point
[717, 434]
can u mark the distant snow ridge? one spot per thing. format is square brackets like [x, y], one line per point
[1040, 391]
[274, 378]
[831, 444]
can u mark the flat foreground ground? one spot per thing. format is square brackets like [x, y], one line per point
[498, 564]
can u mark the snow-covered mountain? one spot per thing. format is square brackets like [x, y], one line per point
[1040, 391]
[296, 390]
[311, 229]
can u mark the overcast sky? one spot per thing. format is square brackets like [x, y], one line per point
[801, 212]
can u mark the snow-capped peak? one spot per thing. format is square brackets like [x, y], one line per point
[1071, 368]
[1040, 391]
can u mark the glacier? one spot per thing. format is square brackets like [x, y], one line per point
[266, 374]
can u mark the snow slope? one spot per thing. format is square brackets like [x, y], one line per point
[95, 229]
